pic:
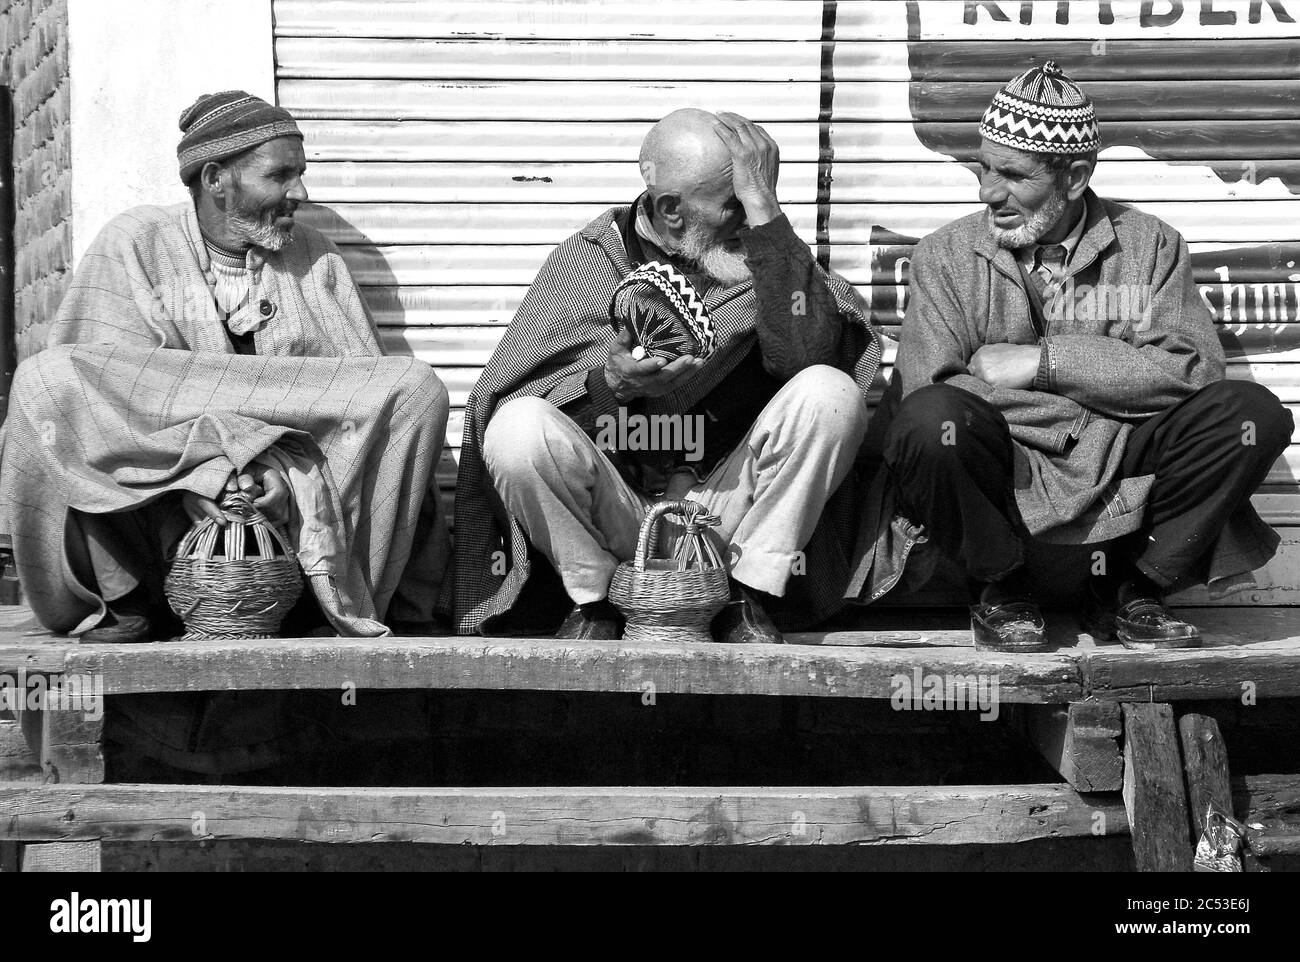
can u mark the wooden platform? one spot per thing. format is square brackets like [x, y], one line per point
[1106, 720]
[1259, 646]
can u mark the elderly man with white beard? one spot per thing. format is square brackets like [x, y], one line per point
[780, 400]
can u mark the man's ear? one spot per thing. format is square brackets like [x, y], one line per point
[210, 179]
[668, 209]
[1077, 177]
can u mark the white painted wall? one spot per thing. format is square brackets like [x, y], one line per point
[135, 65]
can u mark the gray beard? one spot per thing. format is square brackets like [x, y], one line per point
[726, 267]
[1034, 227]
[266, 236]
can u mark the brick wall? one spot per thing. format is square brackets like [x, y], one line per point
[34, 63]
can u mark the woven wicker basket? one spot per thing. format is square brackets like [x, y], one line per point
[672, 600]
[233, 595]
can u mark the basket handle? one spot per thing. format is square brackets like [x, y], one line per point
[696, 517]
[238, 504]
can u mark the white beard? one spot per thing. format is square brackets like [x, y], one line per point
[726, 267]
[1035, 226]
[266, 236]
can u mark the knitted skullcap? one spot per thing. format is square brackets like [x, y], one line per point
[1042, 111]
[222, 125]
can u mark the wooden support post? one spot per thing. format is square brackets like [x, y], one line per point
[9, 855]
[1154, 794]
[1081, 741]
[67, 739]
[71, 747]
[1205, 766]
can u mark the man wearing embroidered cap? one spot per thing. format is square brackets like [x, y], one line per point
[210, 345]
[1061, 380]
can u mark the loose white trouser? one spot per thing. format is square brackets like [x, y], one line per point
[769, 492]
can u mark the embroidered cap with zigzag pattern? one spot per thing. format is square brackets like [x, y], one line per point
[1042, 111]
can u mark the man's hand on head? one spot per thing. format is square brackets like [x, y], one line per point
[1006, 365]
[629, 378]
[755, 165]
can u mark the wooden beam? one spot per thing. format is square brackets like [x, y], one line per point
[1196, 674]
[1273, 802]
[874, 815]
[1081, 741]
[1205, 769]
[61, 857]
[1154, 796]
[525, 664]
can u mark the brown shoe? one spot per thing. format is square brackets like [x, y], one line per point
[596, 621]
[744, 622]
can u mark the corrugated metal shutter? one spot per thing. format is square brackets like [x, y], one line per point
[455, 143]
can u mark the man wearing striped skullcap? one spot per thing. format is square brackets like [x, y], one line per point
[216, 344]
[1059, 380]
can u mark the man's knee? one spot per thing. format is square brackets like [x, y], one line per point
[1255, 413]
[517, 434]
[829, 399]
[938, 423]
[415, 380]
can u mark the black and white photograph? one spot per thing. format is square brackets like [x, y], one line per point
[745, 436]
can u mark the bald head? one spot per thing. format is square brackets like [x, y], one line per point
[683, 153]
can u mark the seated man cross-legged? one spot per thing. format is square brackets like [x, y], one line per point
[1062, 380]
[771, 420]
[215, 343]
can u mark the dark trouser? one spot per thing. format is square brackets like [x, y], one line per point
[950, 454]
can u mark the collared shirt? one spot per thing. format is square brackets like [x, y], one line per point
[1028, 254]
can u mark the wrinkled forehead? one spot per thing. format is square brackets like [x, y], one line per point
[282, 153]
[713, 188]
[1008, 160]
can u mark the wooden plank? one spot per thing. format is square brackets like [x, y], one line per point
[1154, 796]
[18, 763]
[1081, 741]
[874, 815]
[1205, 673]
[61, 857]
[551, 665]
[1273, 802]
[1205, 769]
[72, 746]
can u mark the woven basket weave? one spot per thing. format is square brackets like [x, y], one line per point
[233, 595]
[672, 600]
